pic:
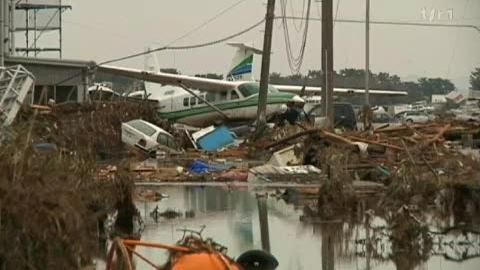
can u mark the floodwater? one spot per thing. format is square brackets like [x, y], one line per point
[231, 218]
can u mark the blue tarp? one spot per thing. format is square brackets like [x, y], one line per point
[199, 167]
[218, 138]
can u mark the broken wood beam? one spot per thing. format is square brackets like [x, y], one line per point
[436, 137]
[390, 146]
[292, 137]
[335, 137]
[405, 128]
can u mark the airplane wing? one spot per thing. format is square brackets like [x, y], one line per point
[170, 79]
[222, 85]
[343, 91]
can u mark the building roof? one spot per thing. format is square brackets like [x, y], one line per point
[49, 71]
[50, 62]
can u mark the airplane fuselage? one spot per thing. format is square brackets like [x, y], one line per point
[239, 103]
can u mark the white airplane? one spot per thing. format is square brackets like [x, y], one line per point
[236, 97]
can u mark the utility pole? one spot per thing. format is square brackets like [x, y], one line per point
[367, 54]
[327, 62]
[265, 73]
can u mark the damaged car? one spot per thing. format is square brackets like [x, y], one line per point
[148, 137]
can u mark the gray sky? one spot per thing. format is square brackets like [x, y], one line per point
[101, 30]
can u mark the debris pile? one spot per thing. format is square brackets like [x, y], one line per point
[64, 167]
[411, 162]
[53, 196]
[94, 127]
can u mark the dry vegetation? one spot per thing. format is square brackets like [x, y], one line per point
[51, 201]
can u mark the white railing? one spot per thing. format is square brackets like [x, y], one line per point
[15, 83]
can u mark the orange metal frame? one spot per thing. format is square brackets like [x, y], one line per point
[127, 249]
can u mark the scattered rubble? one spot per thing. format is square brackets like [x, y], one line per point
[409, 166]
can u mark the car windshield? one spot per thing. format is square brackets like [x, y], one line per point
[252, 88]
[142, 127]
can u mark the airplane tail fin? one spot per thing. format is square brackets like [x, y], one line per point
[151, 64]
[241, 68]
[151, 61]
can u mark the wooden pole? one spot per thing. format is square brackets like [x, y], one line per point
[265, 73]
[327, 62]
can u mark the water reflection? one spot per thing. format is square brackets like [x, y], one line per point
[349, 240]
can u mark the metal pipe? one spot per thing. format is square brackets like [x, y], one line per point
[6, 23]
[26, 32]
[12, 27]
[367, 54]
[2, 33]
[134, 243]
[60, 30]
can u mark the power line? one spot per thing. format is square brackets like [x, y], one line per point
[216, 16]
[298, 28]
[295, 62]
[186, 47]
[164, 48]
[389, 23]
[168, 47]
[454, 49]
[222, 12]
[336, 13]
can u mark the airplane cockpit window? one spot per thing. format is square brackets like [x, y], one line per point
[234, 95]
[249, 89]
[193, 101]
[185, 102]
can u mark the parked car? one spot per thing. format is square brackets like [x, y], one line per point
[410, 117]
[148, 137]
[344, 116]
[383, 119]
[468, 116]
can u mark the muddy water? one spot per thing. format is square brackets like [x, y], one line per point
[231, 218]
